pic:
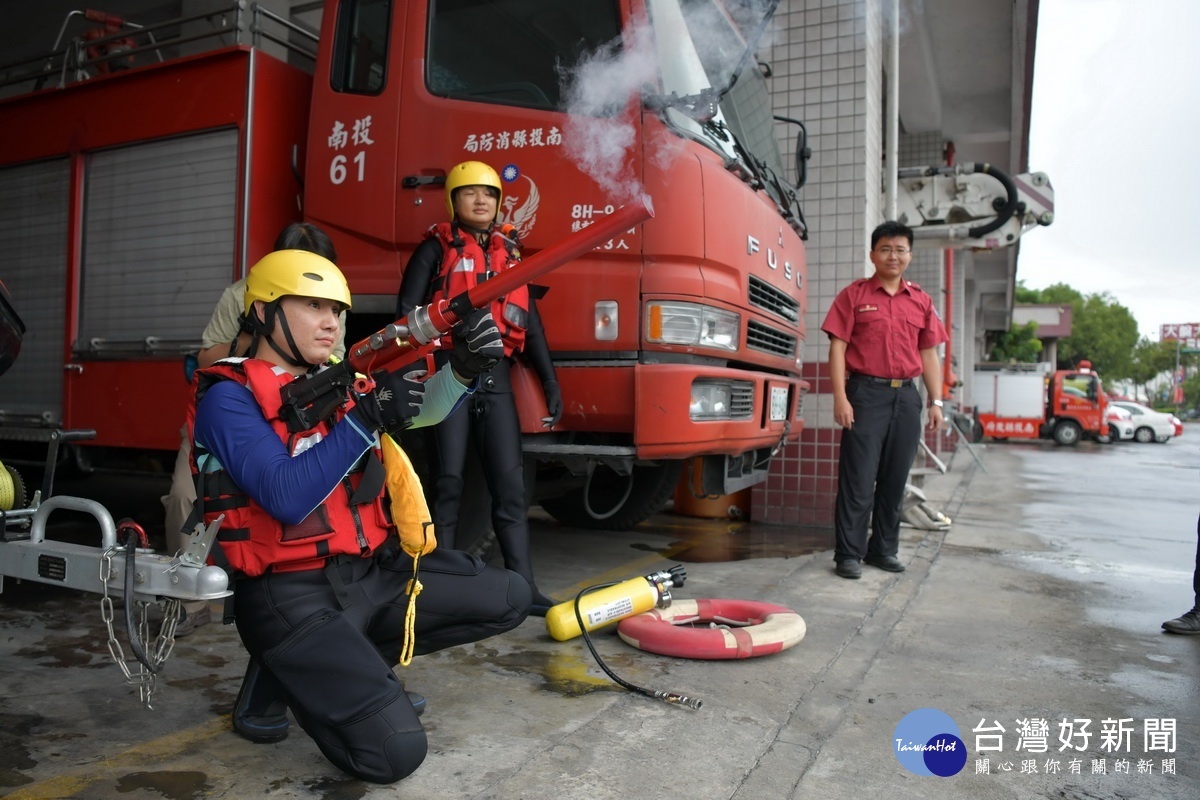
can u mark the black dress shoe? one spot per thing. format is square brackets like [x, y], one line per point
[1188, 623]
[849, 568]
[888, 563]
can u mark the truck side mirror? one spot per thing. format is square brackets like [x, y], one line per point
[803, 151]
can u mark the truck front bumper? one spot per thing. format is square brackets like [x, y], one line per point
[655, 405]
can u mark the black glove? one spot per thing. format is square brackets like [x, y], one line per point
[393, 403]
[553, 403]
[477, 345]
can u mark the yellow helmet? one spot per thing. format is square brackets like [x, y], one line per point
[297, 272]
[471, 173]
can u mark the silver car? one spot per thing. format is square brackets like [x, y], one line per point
[1148, 425]
[1120, 423]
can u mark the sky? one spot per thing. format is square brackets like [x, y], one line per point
[1115, 123]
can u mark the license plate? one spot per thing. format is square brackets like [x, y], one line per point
[779, 395]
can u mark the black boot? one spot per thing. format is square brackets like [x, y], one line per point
[541, 603]
[260, 712]
[418, 702]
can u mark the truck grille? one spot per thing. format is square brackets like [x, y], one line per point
[770, 340]
[765, 296]
[741, 400]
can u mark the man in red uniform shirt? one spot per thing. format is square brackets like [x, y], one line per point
[883, 333]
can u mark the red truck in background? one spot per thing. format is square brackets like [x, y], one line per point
[146, 166]
[1034, 401]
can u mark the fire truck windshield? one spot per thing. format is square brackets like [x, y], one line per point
[515, 52]
[701, 46]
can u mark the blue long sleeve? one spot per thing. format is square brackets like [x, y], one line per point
[231, 426]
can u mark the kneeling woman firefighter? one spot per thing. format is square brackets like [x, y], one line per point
[453, 258]
[319, 591]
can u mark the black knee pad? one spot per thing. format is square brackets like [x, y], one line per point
[347, 699]
[395, 749]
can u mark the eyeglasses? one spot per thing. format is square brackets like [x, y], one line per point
[887, 251]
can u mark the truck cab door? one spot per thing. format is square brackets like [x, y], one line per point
[354, 135]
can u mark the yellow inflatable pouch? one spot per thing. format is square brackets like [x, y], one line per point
[410, 513]
[414, 524]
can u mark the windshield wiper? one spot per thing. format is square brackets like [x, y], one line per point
[747, 53]
[704, 105]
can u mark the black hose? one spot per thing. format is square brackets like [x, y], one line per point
[1005, 212]
[674, 698]
[135, 641]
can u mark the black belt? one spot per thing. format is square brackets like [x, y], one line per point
[895, 383]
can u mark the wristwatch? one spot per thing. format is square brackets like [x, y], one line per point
[937, 403]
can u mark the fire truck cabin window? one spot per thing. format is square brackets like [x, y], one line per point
[514, 52]
[361, 46]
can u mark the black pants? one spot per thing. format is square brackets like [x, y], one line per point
[1196, 574]
[876, 456]
[331, 637]
[491, 419]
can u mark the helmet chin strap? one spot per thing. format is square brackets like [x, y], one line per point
[480, 234]
[262, 331]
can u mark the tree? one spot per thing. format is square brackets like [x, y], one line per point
[1019, 343]
[1191, 391]
[1103, 331]
[1150, 359]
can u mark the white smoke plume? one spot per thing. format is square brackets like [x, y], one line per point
[603, 94]
[599, 134]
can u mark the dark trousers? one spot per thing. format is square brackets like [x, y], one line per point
[331, 637]
[491, 419]
[876, 455]
[1196, 574]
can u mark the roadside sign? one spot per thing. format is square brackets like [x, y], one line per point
[1188, 331]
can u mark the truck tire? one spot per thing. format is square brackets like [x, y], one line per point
[616, 502]
[1067, 433]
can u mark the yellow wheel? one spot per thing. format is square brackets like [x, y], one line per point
[12, 489]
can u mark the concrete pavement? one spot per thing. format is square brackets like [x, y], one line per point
[978, 627]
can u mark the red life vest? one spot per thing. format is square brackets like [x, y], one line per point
[251, 539]
[465, 265]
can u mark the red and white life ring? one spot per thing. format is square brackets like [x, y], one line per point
[733, 629]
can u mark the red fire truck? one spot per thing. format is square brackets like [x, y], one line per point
[147, 164]
[1033, 401]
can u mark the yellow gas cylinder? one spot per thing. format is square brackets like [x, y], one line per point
[613, 603]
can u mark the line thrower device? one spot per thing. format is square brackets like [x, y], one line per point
[604, 603]
[406, 341]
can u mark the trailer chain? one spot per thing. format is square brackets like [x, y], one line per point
[144, 676]
[787, 430]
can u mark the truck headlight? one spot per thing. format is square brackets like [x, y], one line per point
[670, 322]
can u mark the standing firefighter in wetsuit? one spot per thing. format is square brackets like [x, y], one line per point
[454, 257]
[320, 579]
